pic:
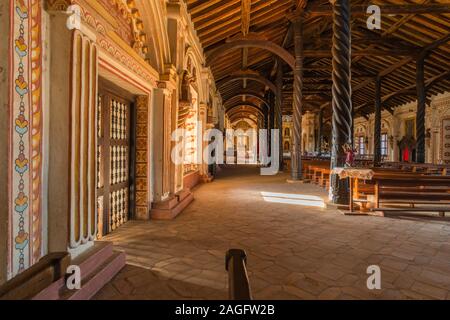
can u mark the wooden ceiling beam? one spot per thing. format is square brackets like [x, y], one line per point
[409, 90]
[426, 50]
[248, 76]
[250, 43]
[362, 52]
[386, 9]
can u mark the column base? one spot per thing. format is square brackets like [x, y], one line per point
[172, 207]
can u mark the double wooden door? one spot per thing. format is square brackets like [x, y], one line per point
[113, 162]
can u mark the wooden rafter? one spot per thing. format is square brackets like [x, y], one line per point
[410, 30]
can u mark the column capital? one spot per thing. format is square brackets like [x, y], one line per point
[57, 5]
[166, 87]
[170, 75]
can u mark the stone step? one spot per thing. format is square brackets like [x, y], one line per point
[93, 257]
[98, 278]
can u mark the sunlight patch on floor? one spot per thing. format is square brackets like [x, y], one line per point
[294, 199]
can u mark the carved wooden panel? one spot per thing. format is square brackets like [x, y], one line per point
[113, 161]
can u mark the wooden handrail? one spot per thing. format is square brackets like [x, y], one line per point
[238, 283]
[30, 282]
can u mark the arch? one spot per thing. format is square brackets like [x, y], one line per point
[155, 25]
[248, 76]
[255, 43]
[257, 109]
[242, 116]
[249, 94]
[250, 121]
[245, 103]
[193, 70]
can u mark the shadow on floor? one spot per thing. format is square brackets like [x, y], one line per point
[138, 283]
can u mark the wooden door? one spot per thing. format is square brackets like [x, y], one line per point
[113, 161]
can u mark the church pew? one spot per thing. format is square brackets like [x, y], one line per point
[397, 188]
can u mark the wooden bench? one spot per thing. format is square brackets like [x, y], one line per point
[402, 188]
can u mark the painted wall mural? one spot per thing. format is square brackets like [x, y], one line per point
[26, 141]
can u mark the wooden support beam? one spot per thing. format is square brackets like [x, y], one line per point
[432, 46]
[250, 43]
[249, 93]
[421, 110]
[247, 75]
[363, 52]
[409, 90]
[296, 157]
[386, 9]
[377, 123]
[246, 6]
[342, 118]
[279, 106]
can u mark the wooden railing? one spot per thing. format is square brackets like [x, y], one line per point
[238, 283]
[29, 283]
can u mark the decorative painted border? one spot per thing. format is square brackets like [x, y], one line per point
[25, 137]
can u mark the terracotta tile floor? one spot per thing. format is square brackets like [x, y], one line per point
[296, 250]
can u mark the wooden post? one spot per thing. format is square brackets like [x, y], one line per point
[342, 104]
[279, 106]
[421, 106]
[296, 173]
[377, 129]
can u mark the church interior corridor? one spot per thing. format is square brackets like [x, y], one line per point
[295, 250]
[188, 152]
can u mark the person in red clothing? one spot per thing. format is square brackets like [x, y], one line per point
[349, 155]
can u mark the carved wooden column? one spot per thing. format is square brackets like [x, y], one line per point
[296, 173]
[342, 105]
[421, 109]
[279, 107]
[377, 128]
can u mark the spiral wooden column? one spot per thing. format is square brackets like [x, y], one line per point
[296, 157]
[279, 107]
[342, 104]
[421, 108]
[377, 128]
